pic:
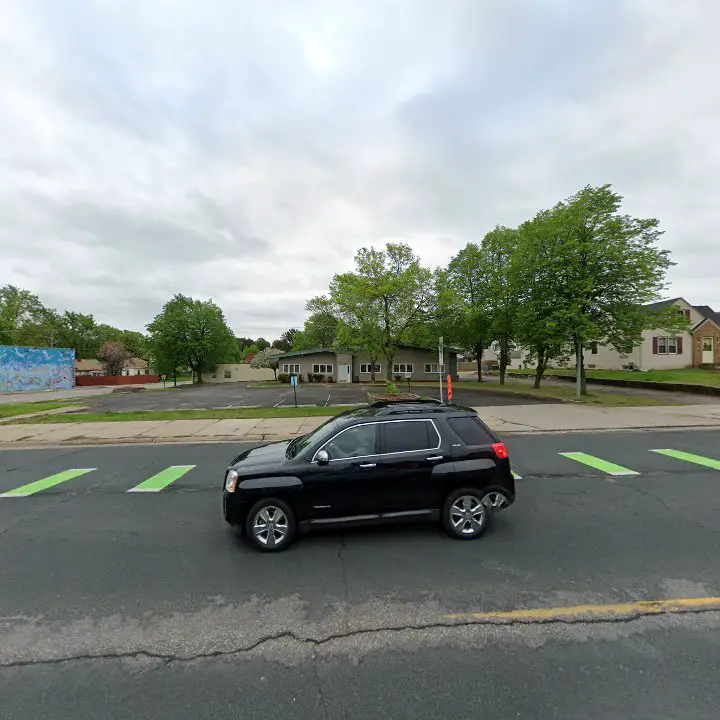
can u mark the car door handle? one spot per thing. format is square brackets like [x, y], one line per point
[367, 465]
[434, 457]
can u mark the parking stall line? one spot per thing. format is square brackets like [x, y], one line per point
[599, 464]
[690, 457]
[45, 483]
[161, 480]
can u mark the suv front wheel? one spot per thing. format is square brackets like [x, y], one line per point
[270, 525]
[465, 515]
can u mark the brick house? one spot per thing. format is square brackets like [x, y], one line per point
[706, 339]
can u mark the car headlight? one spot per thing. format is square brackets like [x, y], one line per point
[231, 480]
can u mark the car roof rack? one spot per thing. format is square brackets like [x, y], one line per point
[417, 401]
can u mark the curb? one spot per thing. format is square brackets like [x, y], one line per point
[224, 439]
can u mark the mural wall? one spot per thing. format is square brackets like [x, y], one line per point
[31, 368]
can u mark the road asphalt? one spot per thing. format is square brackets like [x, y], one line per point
[117, 604]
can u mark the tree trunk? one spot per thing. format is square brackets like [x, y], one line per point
[578, 368]
[503, 360]
[540, 369]
[478, 358]
[175, 377]
[583, 377]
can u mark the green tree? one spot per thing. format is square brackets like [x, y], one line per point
[261, 343]
[79, 331]
[18, 308]
[193, 332]
[541, 326]
[609, 266]
[285, 342]
[383, 301]
[464, 305]
[320, 329]
[501, 290]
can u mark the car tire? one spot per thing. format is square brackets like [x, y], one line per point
[465, 516]
[270, 525]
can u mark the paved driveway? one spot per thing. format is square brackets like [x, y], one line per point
[245, 395]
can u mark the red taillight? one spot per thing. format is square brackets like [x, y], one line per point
[501, 451]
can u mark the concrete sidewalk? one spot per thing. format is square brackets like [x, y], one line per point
[504, 420]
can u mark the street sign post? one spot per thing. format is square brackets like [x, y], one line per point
[294, 382]
[440, 366]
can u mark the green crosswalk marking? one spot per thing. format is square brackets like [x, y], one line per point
[598, 464]
[162, 479]
[45, 483]
[689, 457]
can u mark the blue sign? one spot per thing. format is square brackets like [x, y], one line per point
[293, 380]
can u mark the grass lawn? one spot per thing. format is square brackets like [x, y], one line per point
[13, 409]
[689, 376]
[567, 394]
[219, 414]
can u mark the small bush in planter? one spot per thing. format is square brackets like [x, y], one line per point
[330, 379]
[283, 378]
[398, 378]
[318, 377]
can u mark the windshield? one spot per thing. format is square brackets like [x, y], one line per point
[325, 431]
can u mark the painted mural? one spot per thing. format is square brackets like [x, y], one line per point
[32, 368]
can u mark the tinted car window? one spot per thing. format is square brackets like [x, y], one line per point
[356, 441]
[470, 431]
[404, 436]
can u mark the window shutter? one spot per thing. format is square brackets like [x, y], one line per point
[655, 344]
[679, 346]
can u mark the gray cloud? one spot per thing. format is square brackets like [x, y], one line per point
[244, 151]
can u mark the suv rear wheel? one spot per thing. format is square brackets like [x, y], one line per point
[270, 525]
[465, 515]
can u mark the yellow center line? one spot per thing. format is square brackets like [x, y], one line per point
[577, 612]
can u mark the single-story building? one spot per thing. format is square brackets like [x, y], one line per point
[346, 366]
[95, 368]
[238, 372]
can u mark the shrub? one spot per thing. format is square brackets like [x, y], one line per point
[310, 377]
[398, 378]
[283, 378]
[318, 377]
[390, 387]
[330, 379]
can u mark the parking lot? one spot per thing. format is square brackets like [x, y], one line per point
[230, 395]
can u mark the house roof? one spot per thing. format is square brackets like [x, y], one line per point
[664, 303]
[88, 365]
[316, 351]
[91, 365]
[708, 314]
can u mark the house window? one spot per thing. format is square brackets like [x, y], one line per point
[290, 369]
[432, 368]
[228, 374]
[667, 346]
[593, 348]
[367, 368]
[403, 368]
[322, 369]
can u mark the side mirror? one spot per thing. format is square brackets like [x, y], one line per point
[322, 457]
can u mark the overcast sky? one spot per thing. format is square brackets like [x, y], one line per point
[244, 150]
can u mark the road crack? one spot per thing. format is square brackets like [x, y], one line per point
[315, 643]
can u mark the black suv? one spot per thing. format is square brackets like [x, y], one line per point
[387, 462]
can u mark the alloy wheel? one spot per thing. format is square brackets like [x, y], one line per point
[270, 526]
[467, 515]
